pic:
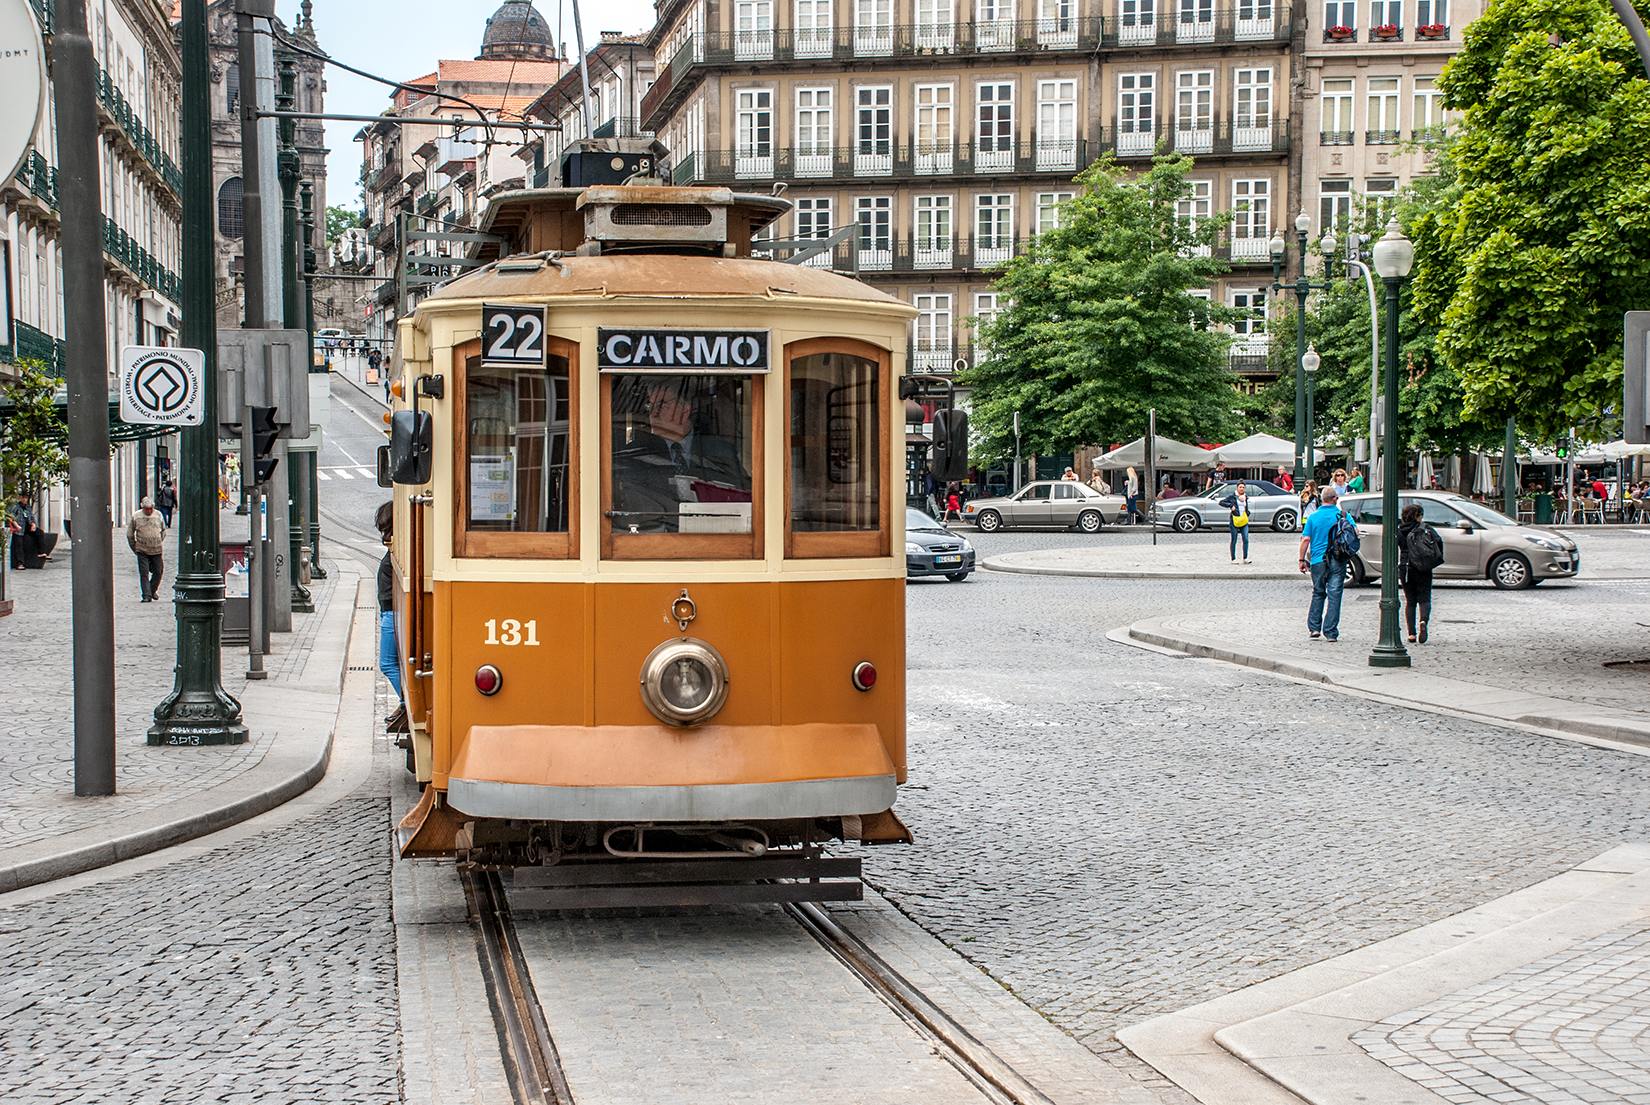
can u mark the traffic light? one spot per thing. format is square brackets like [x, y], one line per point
[950, 457]
[264, 432]
[1563, 449]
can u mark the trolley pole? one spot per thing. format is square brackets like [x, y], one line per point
[87, 375]
[199, 710]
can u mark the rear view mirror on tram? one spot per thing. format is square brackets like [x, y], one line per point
[950, 460]
[411, 435]
[385, 465]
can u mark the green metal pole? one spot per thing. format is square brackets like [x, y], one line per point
[1389, 652]
[1509, 470]
[1302, 473]
[292, 315]
[199, 710]
[311, 496]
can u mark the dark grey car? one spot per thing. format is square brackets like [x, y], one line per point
[933, 550]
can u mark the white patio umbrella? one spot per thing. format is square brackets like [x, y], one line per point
[1257, 451]
[1616, 450]
[1483, 483]
[1423, 472]
[1172, 455]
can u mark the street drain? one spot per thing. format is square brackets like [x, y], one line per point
[1628, 665]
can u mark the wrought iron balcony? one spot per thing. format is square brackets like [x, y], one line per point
[138, 261]
[873, 253]
[38, 178]
[31, 343]
[873, 160]
[1202, 138]
[1254, 22]
[621, 126]
[1340, 34]
[1433, 32]
[109, 96]
[1382, 137]
[1334, 138]
[389, 174]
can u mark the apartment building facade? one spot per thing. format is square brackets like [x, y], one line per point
[946, 133]
[139, 87]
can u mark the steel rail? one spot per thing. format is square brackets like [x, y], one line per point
[977, 1062]
[530, 1058]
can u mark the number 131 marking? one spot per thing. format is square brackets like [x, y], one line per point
[512, 632]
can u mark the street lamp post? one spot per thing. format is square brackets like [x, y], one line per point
[1310, 363]
[1394, 254]
[1302, 287]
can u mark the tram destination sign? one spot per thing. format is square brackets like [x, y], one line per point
[162, 386]
[512, 335]
[676, 351]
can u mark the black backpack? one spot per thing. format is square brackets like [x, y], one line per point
[1426, 548]
[1343, 538]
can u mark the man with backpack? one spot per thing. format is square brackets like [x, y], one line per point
[1329, 540]
[1420, 550]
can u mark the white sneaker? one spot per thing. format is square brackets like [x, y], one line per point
[1246, 560]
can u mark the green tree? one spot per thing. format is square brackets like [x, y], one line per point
[340, 219]
[1545, 238]
[1100, 324]
[33, 456]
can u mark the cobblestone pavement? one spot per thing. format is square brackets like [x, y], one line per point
[37, 713]
[1569, 1028]
[1114, 834]
[260, 971]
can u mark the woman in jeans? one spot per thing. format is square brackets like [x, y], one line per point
[1417, 584]
[1238, 504]
[389, 660]
[1131, 495]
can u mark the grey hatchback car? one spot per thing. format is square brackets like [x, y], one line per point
[1269, 505]
[1479, 541]
[1064, 503]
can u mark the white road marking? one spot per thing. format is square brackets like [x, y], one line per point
[320, 474]
[367, 473]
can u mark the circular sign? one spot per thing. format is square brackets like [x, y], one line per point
[22, 83]
[161, 385]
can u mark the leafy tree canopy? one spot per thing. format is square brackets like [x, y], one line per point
[1099, 324]
[33, 433]
[340, 219]
[1544, 239]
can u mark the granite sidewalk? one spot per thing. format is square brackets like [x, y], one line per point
[164, 795]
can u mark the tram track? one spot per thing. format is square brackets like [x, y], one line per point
[533, 1064]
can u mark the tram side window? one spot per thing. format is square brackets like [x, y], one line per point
[835, 444]
[519, 448]
[681, 453]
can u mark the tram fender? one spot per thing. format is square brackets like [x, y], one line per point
[430, 828]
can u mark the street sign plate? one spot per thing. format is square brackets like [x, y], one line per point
[162, 386]
[512, 335]
[22, 83]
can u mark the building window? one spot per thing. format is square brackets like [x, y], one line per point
[1335, 128]
[1048, 210]
[1197, 21]
[1432, 13]
[1135, 121]
[934, 152]
[873, 27]
[1251, 219]
[1194, 210]
[931, 248]
[1340, 15]
[993, 229]
[813, 29]
[1249, 331]
[935, 29]
[1334, 205]
[1137, 22]
[876, 248]
[232, 87]
[1387, 14]
[986, 306]
[994, 144]
[1055, 26]
[873, 131]
[1381, 124]
[1254, 19]
[994, 24]
[229, 208]
[1428, 120]
[1057, 125]
[1380, 197]
[754, 155]
[753, 29]
[933, 345]
[813, 220]
[1194, 111]
[814, 137]
[1253, 126]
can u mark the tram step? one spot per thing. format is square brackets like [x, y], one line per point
[602, 897]
[630, 873]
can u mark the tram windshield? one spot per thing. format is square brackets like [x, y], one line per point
[836, 444]
[518, 447]
[681, 453]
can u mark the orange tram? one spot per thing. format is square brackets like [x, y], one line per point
[649, 518]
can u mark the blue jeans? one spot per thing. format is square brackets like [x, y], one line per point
[1245, 531]
[1328, 581]
[389, 660]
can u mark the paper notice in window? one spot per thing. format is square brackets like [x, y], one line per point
[492, 489]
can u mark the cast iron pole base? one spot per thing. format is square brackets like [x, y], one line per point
[198, 711]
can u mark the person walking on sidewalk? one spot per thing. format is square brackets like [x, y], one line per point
[1238, 503]
[166, 499]
[1324, 554]
[1420, 550]
[389, 655]
[145, 533]
[1131, 495]
[1309, 499]
[1285, 480]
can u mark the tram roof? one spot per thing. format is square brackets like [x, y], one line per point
[657, 275]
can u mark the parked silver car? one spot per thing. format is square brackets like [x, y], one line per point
[1479, 541]
[1063, 503]
[1269, 505]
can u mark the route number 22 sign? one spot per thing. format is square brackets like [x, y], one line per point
[512, 335]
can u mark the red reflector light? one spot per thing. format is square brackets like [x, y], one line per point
[488, 679]
[865, 676]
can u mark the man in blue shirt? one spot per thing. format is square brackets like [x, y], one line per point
[1323, 617]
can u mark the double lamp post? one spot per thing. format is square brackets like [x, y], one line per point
[1394, 254]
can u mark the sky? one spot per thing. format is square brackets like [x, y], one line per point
[405, 38]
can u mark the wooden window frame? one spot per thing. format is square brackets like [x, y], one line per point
[858, 543]
[687, 546]
[517, 546]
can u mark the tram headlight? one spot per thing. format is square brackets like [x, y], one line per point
[684, 681]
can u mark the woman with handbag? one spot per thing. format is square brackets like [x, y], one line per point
[1238, 504]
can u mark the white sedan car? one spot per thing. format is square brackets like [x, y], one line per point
[1063, 503]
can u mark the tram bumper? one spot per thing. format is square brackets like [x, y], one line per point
[661, 773]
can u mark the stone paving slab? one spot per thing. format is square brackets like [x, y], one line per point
[1320, 1034]
[164, 794]
[1615, 553]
